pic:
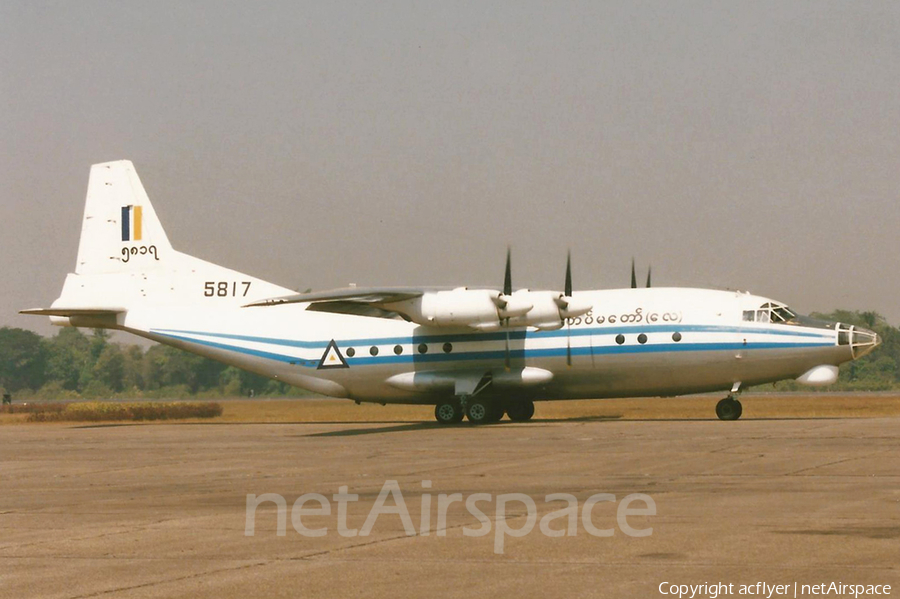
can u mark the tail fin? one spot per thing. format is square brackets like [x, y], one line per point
[125, 259]
[120, 231]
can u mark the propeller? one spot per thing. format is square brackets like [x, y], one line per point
[634, 275]
[507, 292]
[507, 279]
[510, 305]
[568, 292]
[570, 307]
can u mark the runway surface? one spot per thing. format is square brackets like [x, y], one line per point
[160, 510]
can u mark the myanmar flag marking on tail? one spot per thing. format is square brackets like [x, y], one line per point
[132, 223]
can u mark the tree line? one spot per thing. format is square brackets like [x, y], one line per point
[73, 365]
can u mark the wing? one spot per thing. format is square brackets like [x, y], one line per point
[481, 309]
[375, 302]
[356, 295]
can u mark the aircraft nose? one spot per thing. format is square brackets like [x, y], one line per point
[863, 342]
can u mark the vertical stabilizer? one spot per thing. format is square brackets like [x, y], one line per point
[120, 231]
[125, 259]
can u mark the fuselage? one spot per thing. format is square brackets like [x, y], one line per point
[634, 342]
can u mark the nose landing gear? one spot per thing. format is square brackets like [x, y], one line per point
[729, 409]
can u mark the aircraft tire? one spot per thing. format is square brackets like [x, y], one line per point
[479, 412]
[497, 412]
[448, 412]
[729, 409]
[520, 411]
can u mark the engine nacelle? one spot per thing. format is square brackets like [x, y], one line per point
[488, 309]
[573, 307]
[513, 306]
[544, 313]
[475, 308]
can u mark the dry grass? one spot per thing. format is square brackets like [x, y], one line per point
[337, 410]
[96, 411]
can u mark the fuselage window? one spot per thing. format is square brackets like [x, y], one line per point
[351, 352]
[423, 348]
[676, 336]
[642, 338]
[448, 347]
[398, 349]
[620, 339]
[373, 350]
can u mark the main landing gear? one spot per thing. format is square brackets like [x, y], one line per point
[482, 411]
[520, 411]
[448, 412]
[729, 409]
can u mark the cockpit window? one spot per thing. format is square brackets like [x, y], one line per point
[770, 312]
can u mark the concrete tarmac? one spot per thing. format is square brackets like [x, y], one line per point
[160, 510]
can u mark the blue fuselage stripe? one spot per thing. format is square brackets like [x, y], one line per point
[483, 355]
[516, 335]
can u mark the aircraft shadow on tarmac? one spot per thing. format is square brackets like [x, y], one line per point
[418, 426]
[398, 426]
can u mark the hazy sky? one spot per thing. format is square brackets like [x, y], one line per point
[750, 145]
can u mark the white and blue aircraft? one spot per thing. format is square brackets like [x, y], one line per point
[471, 352]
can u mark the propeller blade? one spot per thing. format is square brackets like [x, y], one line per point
[507, 291]
[507, 345]
[568, 295]
[649, 269]
[507, 279]
[633, 276]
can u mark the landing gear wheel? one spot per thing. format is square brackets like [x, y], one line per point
[497, 412]
[479, 412]
[729, 409]
[520, 411]
[448, 412]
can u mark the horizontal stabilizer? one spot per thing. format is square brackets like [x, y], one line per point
[73, 311]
